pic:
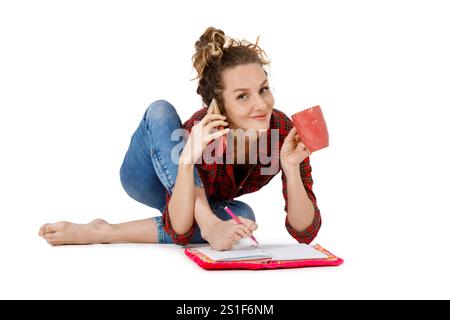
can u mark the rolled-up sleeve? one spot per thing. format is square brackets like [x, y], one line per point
[180, 239]
[307, 235]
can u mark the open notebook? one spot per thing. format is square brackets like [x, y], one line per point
[265, 252]
[263, 257]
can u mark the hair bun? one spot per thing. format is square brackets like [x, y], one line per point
[209, 47]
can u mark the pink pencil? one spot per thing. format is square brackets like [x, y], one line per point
[235, 218]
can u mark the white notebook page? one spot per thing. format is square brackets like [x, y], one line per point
[275, 252]
[238, 254]
[295, 252]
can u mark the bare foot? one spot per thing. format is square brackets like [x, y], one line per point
[224, 234]
[64, 232]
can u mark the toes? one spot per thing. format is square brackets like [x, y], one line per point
[52, 235]
[250, 224]
[247, 230]
[42, 229]
[58, 226]
[235, 237]
[52, 227]
[53, 238]
[242, 231]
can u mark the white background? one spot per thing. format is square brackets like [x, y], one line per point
[76, 77]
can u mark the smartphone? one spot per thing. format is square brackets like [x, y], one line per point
[223, 139]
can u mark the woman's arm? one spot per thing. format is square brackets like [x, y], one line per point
[300, 211]
[181, 204]
[303, 219]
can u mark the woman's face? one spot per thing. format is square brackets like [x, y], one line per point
[248, 99]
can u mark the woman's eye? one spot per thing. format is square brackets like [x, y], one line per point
[265, 89]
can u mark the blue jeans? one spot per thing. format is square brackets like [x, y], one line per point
[148, 171]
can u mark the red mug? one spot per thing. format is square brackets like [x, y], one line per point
[311, 128]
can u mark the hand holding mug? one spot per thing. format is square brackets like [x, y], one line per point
[308, 135]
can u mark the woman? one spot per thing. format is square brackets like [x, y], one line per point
[191, 191]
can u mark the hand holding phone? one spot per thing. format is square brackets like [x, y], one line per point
[214, 109]
[201, 136]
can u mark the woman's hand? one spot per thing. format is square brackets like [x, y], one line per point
[201, 136]
[293, 151]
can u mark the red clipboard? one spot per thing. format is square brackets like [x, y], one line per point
[208, 264]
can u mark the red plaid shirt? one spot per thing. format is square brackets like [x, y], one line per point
[219, 181]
